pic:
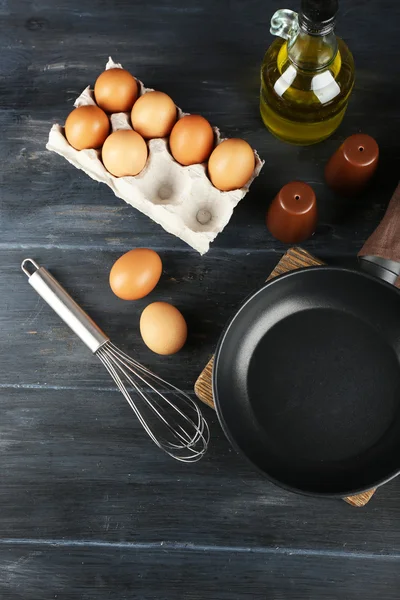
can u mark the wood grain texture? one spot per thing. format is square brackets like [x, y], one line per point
[90, 508]
[385, 241]
[294, 258]
[360, 499]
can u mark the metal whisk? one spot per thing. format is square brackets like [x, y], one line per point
[169, 416]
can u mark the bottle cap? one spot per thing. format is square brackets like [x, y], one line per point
[292, 216]
[350, 169]
[318, 16]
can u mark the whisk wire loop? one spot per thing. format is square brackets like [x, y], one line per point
[183, 437]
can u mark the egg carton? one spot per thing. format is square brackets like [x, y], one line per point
[180, 199]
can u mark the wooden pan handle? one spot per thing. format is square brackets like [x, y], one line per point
[385, 241]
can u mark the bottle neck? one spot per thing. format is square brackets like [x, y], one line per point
[312, 51]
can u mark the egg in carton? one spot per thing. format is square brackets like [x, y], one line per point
[180, 199]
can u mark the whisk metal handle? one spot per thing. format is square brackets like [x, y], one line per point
[61, 302]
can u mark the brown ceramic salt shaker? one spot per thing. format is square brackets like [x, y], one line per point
[292, 216]
[351, 167]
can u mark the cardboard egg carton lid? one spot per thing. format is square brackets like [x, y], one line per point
[180, 199]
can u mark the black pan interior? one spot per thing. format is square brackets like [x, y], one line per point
[307, 381]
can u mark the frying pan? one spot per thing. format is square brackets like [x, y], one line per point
[306, 376]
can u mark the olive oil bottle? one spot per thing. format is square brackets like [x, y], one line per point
[307, 74]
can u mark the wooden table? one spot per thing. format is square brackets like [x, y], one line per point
[89, 508]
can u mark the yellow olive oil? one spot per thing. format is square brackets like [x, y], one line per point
[306, 81]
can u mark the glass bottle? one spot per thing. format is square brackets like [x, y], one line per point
[307, 74]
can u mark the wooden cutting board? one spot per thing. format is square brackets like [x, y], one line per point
[295, 258]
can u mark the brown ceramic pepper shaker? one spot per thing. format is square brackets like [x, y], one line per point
[351, 167]
[292, 216]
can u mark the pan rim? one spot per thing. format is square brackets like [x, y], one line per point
[340, 494]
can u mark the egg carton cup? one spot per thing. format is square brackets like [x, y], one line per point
[180, 199]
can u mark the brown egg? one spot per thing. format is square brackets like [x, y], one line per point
[87, 127]
[135, 274]
[116, 90]
[154, 115]
[231, 164]
[163, 328]
[192, 140]
[124, 153]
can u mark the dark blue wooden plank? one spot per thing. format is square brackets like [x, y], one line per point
[171, 571]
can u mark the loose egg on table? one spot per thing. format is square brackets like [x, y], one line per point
[116, 90]
[87, 127]
[135, 274]
[231, 164]
[163, 328]
[124, 153]
[154, 115]
[191, 140]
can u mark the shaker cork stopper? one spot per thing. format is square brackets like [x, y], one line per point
[351, 167]
[292, 216]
